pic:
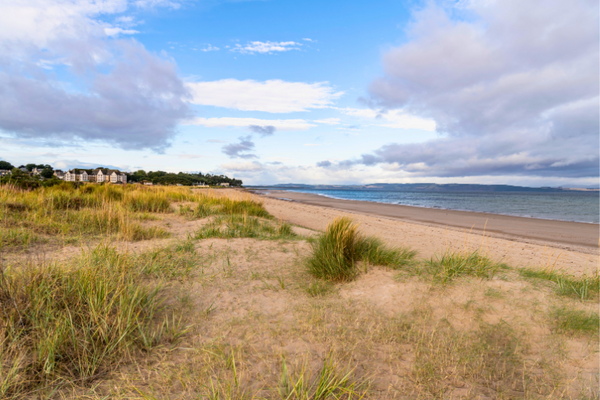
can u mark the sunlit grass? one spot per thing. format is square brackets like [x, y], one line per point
[584, 287]
[76, 320]
[335, 252]
[73, 214]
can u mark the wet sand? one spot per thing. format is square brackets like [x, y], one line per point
[575, 236]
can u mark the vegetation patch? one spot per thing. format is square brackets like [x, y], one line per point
[76, 321]
[243, 226]
[76, 213]
[454, 264]
[571, 321]
[583, 288]
[336, 252]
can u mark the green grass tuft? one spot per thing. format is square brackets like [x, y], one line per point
[76, 321]
[566, 320]
[454, 264]
[243, 226]
[336, 252]
[583, 288]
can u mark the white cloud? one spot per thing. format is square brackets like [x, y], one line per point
[275, 96]
[209, 48]
[245, 166]
[308, 40]
[391, 119]
[190, 156]
[266, 47]
[280, 124]
[328, 121]
[119, 31]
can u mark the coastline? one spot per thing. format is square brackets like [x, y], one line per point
[573, 236]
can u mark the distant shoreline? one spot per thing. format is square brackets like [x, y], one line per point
[568, 234]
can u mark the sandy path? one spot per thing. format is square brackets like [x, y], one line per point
[430, 239]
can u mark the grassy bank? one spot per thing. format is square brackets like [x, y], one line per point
[66, 214]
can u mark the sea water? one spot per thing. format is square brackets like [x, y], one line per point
[566, 206]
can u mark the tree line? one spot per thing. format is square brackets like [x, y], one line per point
[26, 180]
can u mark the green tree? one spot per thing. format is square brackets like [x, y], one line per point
[47, 172]
[30, 167]
[6, 165]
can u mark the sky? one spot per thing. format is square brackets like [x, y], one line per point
[317, 92]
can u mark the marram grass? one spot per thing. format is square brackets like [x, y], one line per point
[336, 252]
[74, 321]
[454, 264]
[92, 211]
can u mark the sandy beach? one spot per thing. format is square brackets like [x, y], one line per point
[519, 241]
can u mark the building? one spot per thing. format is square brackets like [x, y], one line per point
[4, 172]
[226, 184]
[98, 175]
[59, 174]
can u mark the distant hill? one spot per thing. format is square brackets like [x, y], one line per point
[424, 187]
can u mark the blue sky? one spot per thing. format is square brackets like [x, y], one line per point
[316, 92]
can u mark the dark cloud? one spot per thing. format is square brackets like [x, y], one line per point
[235, 150]
[324, 164]
[266, 130]
[123, 95]
[514, 92]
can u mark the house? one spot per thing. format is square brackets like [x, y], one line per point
[77, 175]
[226, 184]
[147, 183]
[98, 175]
[201, 184]
[37, 171]
[4, 172]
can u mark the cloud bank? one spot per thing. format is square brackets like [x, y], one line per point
[114, 90]
[513, 90]
[274, 96]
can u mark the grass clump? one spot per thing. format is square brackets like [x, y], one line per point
[336, 252]
[567, 320]
[318, 288]
[583, 288]
[244, 226]
[332, 381]
[454, 264]
[489, 360]
[75, 321]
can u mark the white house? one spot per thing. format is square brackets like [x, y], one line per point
[226, 184]
[97, 175]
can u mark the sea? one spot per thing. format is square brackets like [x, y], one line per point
[579, 206]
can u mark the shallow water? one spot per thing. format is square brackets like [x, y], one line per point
[564, 206]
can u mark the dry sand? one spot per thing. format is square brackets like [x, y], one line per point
[518, 241]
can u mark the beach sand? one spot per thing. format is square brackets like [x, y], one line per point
[518, 241]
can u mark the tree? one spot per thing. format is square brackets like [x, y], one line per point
[47, 172]
[30, 167]
[6, 165]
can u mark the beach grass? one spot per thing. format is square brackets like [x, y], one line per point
[78, 213]
[453, 264]
[585, 287]
[78, 320]
[335, 253]
[244, 226]
[572, 321]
